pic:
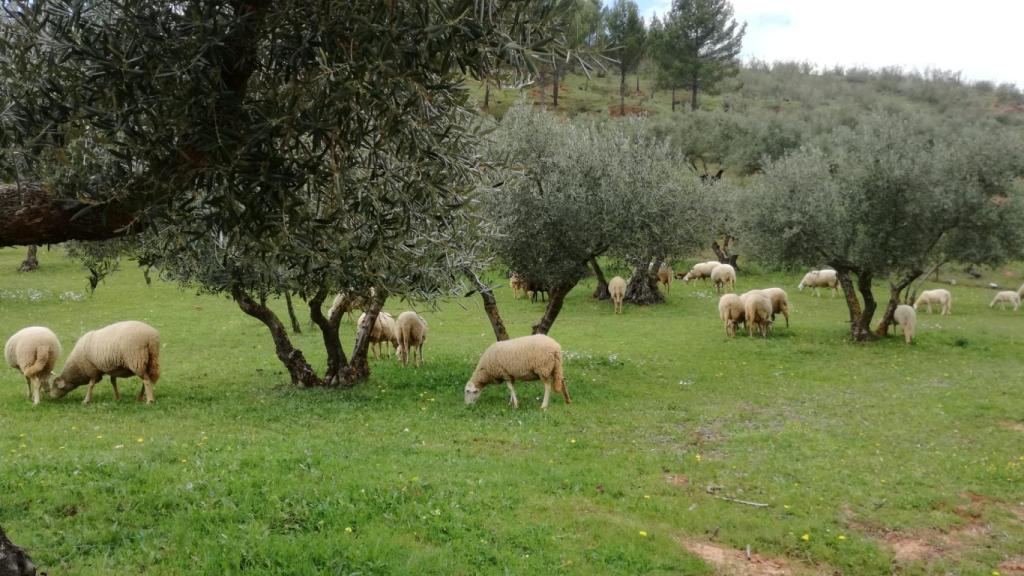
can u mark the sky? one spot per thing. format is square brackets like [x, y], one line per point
[981, 39]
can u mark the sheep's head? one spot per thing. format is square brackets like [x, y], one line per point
[472, 392]
[60, 387]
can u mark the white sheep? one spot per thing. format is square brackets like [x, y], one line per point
[384, 331]
[723, 274]
[780, 302]
[701, 271]
[412, 332]
[665, 277]
[906, 317]
[820, 279]
[33, 351]
[617, 290]
[123, 349]
[940, 297]
[536, 357]
[757, 312]
[730, 310]
[1006, 296]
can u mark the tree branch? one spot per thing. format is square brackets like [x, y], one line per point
[32, 214]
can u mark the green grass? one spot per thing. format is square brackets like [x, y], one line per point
[234, 472]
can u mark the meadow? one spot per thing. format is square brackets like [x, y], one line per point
[868, 459]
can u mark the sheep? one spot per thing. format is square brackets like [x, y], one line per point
[665, 277]
[384, 331]
[780, 302]
[536, 357]
[906, 317]
[723, 274]
[516, 282]
[757, 312]
[123, 349]
[617, 290]
[730, 310]
[701, 270]
[412, 332]
[1006, 296]
[825, 278]
[33, 351]
[939, 296]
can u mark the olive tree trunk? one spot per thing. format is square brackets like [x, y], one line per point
[31, 261]
[291, 313]
[601, 291]
[860, 317]
[302, 374]
[556, 297]
[895, 289]
[13, 560]
[643, 286]
[490, 306]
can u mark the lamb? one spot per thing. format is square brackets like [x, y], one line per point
[412, 332]
[730, 310]
[939, 296]
[516, 282]
[1006, 296]
[701, 270]
[820, 279]
[617, 289]
[906, 317]
[123, 349]
[780, 302]
[723, 274]
[536, 357]
[34, 352]
[757, 312]
[665, 277]
[384, 331]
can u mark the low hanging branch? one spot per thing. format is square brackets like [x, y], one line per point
[32, 214]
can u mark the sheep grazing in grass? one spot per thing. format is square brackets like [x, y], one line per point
[722, 275]
[665, 277]
[757, 312]
[730, 310]
[1006, 296]
[940, 297]
[384, 332]
[34, 352]
[123, 349]
[701, 271]
[780, 302]
[617, 290]
[412, 332]
[820, 279]
[536, 357]
[906, 317]
[516, 282]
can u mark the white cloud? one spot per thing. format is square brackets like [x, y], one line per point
[981, 39]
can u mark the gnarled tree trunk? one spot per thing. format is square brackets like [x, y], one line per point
[302, 374]
[860, 317]
[643, 286]
[556, 297]
[291, 313]
[601, 291]
[13, 560]
[894, 300]
[490, 306]
[31, 261]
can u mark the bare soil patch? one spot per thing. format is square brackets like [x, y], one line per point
[734, 562]
[1011, 425]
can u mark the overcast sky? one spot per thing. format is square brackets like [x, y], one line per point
[981, 39]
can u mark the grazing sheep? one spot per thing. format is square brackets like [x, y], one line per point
[820, 279]
[412, 332]
[939, 297]
[384, 331]
[1006, 296]
[757, 312]
[33, 351]
[516, 282]
[723, 274]
[617, 290]
[536, 357]
[730, 310]
[701, 271]
[122, 349]
[906, 317]
[665, 277]
[780, 302]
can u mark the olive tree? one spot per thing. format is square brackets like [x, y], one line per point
[886, 200]
[574, 190]
[256, 148]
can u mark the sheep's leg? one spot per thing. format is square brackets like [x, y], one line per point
[419, 356]
[117, 393]
[28, 382]
[88, 392]
[547, 395]
[148, 387]
[142, 390]
[565, 392]
[35, 385]
[512, 390]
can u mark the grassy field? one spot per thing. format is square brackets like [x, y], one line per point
[872, 459]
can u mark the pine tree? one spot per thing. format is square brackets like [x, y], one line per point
[627, 35]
